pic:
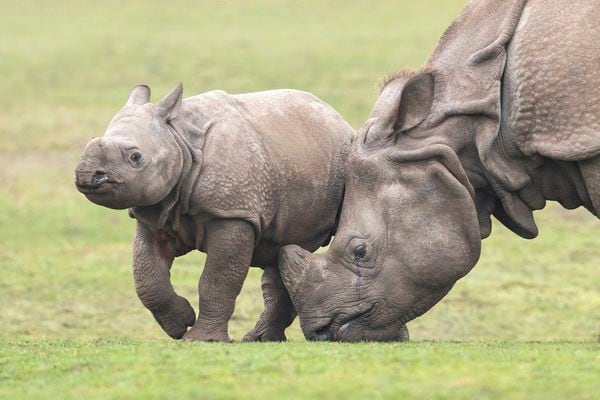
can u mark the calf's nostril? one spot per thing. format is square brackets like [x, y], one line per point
[99, 177]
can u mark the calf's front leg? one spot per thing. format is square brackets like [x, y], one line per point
[229, 246]
[153, 255]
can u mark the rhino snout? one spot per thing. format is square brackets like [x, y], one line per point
[90, 179]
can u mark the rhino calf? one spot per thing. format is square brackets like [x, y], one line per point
[234, 176]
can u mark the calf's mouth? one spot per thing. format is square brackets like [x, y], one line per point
[93, 182]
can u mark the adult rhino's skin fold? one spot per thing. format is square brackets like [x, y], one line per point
[235, 176]
[503, 117]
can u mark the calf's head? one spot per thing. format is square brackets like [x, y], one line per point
[137, 161]
[408, 228]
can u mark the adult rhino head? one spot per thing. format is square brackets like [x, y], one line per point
[408, 231]
[424, 176]
[133, 164]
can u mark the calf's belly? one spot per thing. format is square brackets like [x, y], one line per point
[266, 252]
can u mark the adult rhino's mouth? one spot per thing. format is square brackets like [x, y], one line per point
[333, 328]
[356, 328]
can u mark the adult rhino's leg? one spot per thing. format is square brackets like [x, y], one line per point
[229, 247]
[279, 312]
[153, 255]
[590, 171]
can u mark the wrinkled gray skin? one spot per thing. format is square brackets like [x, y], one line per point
[235, 176]
[504, 116]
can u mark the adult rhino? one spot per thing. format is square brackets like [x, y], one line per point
[235, 176]
[504, 116]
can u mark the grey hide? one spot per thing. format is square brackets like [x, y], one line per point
[235, 176]
[504, 116]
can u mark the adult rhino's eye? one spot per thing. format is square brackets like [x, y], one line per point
[360, 252]
[136, 156]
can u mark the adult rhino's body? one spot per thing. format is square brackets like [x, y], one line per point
[504, 116]
[235, 176]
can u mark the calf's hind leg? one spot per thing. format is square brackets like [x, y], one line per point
[279, 312]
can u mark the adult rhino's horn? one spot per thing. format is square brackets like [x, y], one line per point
[139, 95]
[170, 106]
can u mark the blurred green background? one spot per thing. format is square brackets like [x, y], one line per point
[65, 264]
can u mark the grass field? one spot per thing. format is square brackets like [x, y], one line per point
[523, 324]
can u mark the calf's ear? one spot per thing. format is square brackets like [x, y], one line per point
[170, 106]
[139, 95]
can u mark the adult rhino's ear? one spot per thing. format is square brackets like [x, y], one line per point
[415, 102]
[139, 95]
[407, 102]
[170, 106]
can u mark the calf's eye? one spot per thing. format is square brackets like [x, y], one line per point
[136, 156]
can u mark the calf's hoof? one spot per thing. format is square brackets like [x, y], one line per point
[265, 335]
[200, 335]
[176, 317]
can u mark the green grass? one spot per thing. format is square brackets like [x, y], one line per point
[528, 315]
[159, 369]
